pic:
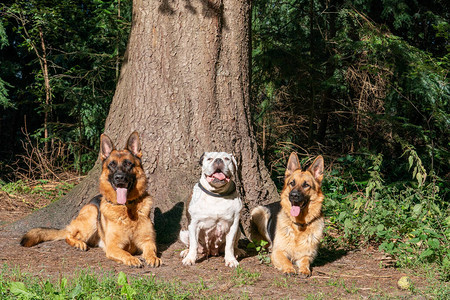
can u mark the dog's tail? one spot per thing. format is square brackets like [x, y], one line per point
[41, 234]
[259, 220]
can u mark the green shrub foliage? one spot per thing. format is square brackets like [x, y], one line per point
[408, 219]
[83, 44]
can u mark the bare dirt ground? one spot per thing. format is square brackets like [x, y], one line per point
[337, 274]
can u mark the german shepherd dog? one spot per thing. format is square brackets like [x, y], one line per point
[293, 227]
[118, 220]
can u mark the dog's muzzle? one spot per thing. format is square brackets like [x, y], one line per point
[298, 202]
[218, 175]
[218, 164]
[296, 197]
[122, 180]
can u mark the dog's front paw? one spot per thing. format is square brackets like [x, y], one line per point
[304, 273]
[133, 262]
[289, 271]
[189, 261]
[153, 261]
[81, 245]
[231, 262]
[184, 253]
[76, 243]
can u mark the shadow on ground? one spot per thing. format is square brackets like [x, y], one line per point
[167, 225]
[328, 256]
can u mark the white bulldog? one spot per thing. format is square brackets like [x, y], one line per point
[213, 211]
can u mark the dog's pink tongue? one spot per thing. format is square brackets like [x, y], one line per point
[295, 210]
[121, 195]
[219, 176]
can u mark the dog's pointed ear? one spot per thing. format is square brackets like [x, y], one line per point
[134, 144]
[292, 165]
[317, 168]
[200, 162]
[106, 146]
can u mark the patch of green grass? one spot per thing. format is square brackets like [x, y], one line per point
[87, 285]
[340, 283]
[352, 289]
[281, 282]
[42, 188]
[315, 296]
[334, 282]
[435, 288]
[244, 277]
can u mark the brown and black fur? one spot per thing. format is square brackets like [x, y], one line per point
[293, 239]
[122, 230]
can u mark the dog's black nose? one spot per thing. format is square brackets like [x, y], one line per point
[119, 177]
[295, 195]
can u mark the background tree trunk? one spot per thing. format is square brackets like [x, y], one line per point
[184, 86]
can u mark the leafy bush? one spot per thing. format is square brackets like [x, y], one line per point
[409, 220]
[83, 45]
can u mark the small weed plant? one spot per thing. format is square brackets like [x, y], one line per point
[261, 248]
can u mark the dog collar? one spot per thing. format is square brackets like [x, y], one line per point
[305, 224]
[128, 202]
[301, 224]
[216, 194]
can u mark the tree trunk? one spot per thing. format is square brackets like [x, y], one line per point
[184, 86]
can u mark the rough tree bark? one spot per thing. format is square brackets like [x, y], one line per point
[184, 86]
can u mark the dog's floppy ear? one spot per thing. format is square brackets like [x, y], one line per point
[106, 146]
[134, 144]
[292, 165]
[201, 159]
[233, 160]
[317, 168]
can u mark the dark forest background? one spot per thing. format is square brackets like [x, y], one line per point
[364, 83]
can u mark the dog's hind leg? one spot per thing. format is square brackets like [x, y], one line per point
[230, 259]
[238, 252]
[184, 238]
[83, 228]
[191, 257]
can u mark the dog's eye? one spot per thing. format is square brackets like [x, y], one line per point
[209, 159]
[127, 164]
[226, 158]
[305, 185]
[112, 165]
[292, 183]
